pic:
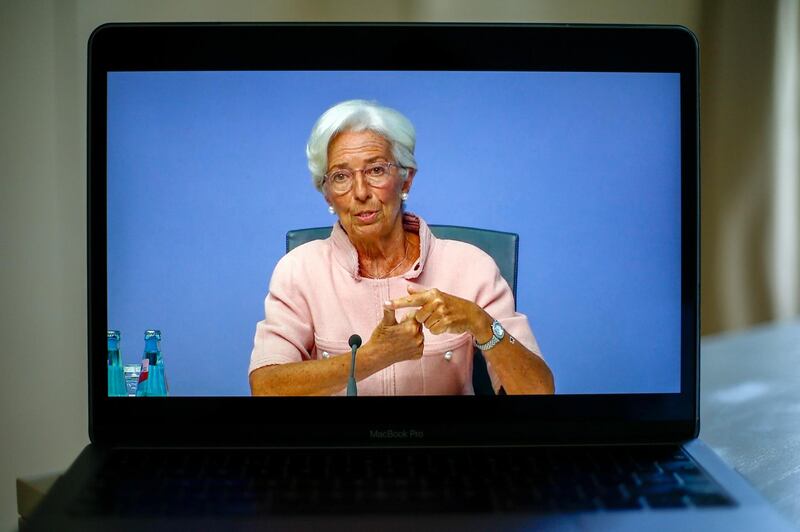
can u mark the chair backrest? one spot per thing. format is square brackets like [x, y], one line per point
[501, 246]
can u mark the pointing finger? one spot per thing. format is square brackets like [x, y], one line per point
[413, 300]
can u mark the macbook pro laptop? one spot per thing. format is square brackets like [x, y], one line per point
[571, 150]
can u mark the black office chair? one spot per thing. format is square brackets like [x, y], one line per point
[503, 248]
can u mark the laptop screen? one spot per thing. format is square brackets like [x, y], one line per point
[207, 173]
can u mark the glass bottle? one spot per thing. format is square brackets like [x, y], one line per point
[116, 376]
[152, 382]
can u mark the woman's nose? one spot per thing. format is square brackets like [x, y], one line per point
[361, 189]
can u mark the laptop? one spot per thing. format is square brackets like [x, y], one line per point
[580, 142]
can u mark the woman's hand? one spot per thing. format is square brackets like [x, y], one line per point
[396, 341]
[390, 342]
[445, 313]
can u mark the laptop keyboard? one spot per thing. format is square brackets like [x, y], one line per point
[248, 482]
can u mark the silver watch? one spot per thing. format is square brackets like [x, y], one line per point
[497, 334]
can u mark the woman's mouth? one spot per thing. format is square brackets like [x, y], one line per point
[367, 217]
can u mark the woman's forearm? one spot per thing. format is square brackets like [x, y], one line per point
[313, 377]
[520, 370]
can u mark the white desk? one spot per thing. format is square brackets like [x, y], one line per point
[750, 408]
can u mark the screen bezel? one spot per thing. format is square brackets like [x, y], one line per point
[501, 420]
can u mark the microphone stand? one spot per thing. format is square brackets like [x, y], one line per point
[355, 343]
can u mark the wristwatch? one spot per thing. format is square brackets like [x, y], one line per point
[497, 334]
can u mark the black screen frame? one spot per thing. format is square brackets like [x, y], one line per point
[370, 421]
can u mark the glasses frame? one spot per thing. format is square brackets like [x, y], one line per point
[387, 165]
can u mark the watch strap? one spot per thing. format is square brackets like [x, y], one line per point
[493, 341]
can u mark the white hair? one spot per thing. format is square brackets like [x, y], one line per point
[360, 115]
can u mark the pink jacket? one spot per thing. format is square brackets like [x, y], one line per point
[317, 299]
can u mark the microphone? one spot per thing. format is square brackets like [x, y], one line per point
[355, 343]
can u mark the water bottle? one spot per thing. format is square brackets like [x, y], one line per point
[162, 374]
[116, 377]
[152, 381]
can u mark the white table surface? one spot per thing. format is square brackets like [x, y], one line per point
[750, 408]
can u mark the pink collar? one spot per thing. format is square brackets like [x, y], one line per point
[347, 257]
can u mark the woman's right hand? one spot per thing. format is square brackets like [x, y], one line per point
[396, 341]
[391, 342]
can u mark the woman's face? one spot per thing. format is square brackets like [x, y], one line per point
[366, 212]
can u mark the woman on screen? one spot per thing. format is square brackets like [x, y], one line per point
[421, 303]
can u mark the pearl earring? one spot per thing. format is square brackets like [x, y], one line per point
[404, 196]
[331, 210]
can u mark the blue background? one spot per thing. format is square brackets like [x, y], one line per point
[207, 172]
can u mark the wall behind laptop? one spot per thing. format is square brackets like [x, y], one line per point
[42, 172]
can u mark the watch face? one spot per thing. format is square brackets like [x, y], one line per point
[497, 329]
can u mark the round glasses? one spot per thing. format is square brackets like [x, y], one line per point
[377, 175]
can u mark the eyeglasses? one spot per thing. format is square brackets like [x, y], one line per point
[376, 174]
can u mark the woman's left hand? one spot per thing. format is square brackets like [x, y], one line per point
[441, 313]
[520, 371]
